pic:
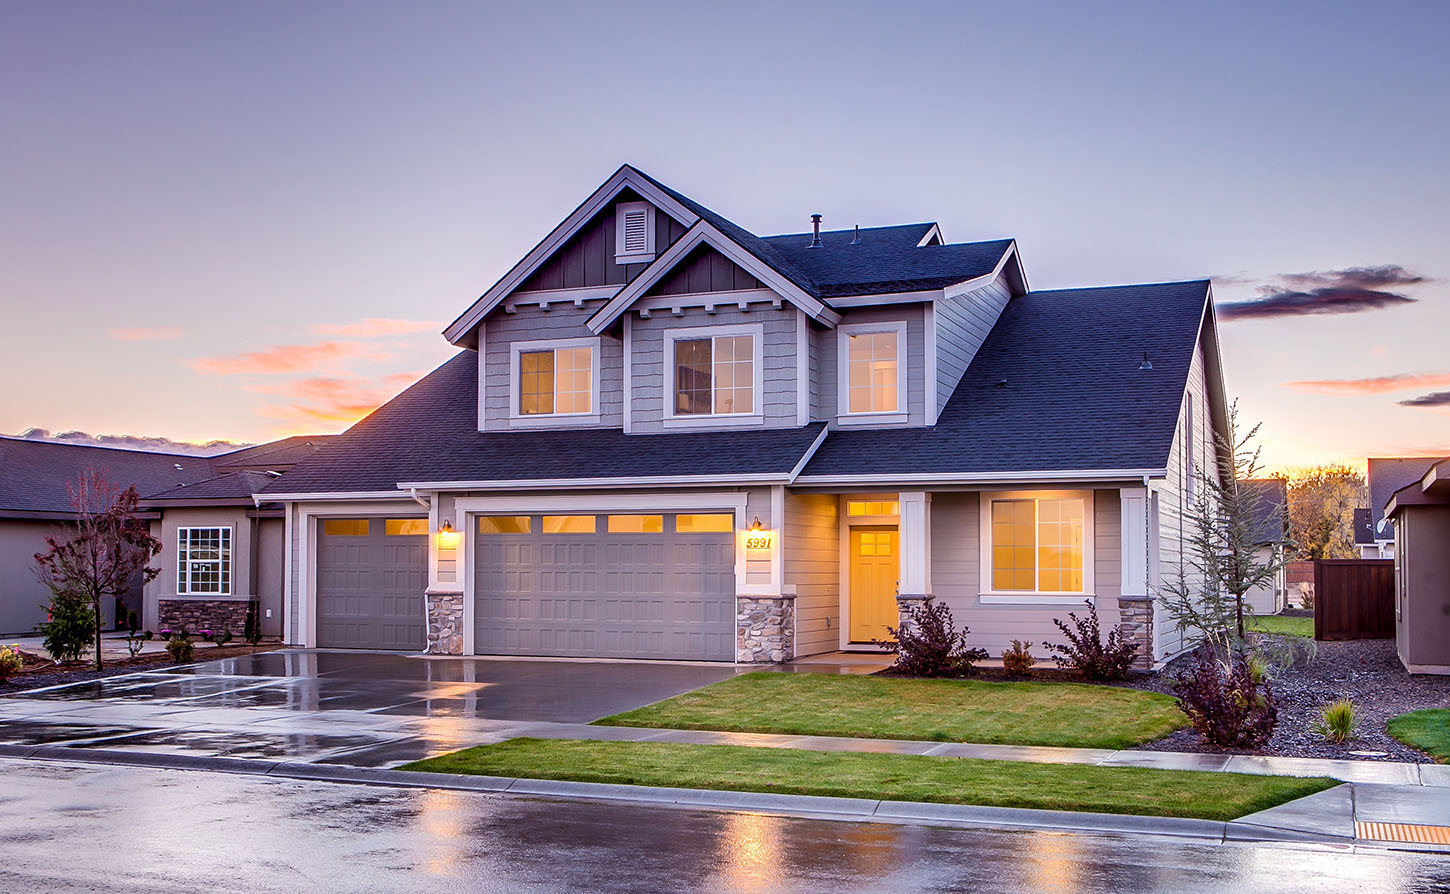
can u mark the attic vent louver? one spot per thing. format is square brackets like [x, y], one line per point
[634, 232]
[634, 235]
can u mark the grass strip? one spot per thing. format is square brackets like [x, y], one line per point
[1281, 624]
[1427, 730]
[894, 777]
[1029, 713]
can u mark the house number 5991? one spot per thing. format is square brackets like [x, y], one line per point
[757, 541]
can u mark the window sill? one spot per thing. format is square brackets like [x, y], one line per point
[209, 597]
[550, 420]
[713, 421]
[873, 418]
[642, 258]
[1036, 598]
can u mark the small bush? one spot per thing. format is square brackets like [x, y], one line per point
[1018, 660]
[1223, 702]
[222, 637]
[1259, 667]
[71, 626]
[11, 661]
[1305, 595]
[929, 644]
[252, 626]
[1337, 721]
[179, 645]
[1088, 653]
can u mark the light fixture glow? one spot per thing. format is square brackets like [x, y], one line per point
[755, 525]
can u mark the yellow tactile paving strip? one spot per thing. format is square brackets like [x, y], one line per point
[1403, 832]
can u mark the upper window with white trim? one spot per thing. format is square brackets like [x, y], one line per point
[1037, 544]
[870, 357]
[714, 371]
[634, 233]
[204, 561]
[556, 378]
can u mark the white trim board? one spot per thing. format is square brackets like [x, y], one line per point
[756, 415]
[889, 480]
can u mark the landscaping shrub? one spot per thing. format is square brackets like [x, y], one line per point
[179, 645]
[252, 626]
[929, 644]
[71, 625]
[222, 637]
[1223, 702]
[1337, 721]
[10, 662]
[1088, 653]
[1018, 660]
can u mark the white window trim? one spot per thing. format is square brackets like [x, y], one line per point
[756, 331]
[642, 257]
[517, 419]
[989, 596]
[183, 585]
[843, 374]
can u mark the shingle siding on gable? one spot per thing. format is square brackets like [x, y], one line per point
[910, 359]
[587, 259]
[778, 353]
[963, 320]
[531, 324]
[705, 270]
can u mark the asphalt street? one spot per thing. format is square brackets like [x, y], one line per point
[70, 827]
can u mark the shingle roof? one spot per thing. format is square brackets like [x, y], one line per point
[429, 433]
[231, 487]
[1387, 475]
[1272, 508]
[1055, 387]
[34, 474]
[274, 455]
[1363, 528]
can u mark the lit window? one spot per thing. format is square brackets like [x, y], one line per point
[872, 507]
[204, 561]
[636, 524]
[872, 377]
[1038, 545]
[568, 524]
[503, 524]
[556, 381]
[715, 376]
[346, 527]
[704, 524]
[405, 527]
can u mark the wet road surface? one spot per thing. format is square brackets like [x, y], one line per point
[124, 829]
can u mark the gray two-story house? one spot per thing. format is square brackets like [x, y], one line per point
[666, 437]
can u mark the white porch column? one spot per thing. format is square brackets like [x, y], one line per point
[915, 532]
[1134, 530]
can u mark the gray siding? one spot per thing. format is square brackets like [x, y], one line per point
[1172, 496]
[530, 323]
[812, 544]
[21, 594]
[827, 346]
[778, 360]
[1422, 600]
[962, 323]
[956, 575]
[704, 270]
[587, 259]
[269, 563]
[245, 564]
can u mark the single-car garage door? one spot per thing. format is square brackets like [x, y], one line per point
[371, 577]
[613, 586]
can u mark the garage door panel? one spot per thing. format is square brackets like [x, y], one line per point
[370, 589]
[628, 595]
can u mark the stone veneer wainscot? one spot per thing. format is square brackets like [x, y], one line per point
[196, 615]
[764, 629]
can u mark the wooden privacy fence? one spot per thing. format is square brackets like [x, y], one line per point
[1354, 598]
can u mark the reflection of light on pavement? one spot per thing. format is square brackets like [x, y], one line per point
[1053, 862]
[441, 818]
[750, 852]
[1364, 874]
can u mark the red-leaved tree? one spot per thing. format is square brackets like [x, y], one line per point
[102, 551]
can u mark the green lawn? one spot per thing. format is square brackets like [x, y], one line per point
[1427, 730]
[1281, 624]
[1068, 714]
[894, 777]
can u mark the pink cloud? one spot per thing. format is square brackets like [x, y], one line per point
[331, 401]
[374, 327]
[288, 359]
[159, 333]
[1375, 385]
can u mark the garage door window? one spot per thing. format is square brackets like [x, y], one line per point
[721, 523]
[503, 524]
[204, 561]
[346, 527]
[406, 527]
[636, 524]
[568, 524]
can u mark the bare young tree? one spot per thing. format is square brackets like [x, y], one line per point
[102, 551]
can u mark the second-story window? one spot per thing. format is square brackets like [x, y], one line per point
[714, 375]
[872, 377]
[554, 379]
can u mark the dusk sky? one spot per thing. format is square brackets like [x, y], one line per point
[252, 219]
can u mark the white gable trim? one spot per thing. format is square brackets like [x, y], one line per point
[626, 176]
[703, 232]
[932, 234]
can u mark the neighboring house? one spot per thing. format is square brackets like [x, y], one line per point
[1271, 532]
[1420, 515]
[1386, 476]
[1365, 541]
[666, 437]
[35, 501]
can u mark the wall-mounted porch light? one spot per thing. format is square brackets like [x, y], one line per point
[755, 525]
[447, 537]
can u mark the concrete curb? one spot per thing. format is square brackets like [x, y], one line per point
[849, 809]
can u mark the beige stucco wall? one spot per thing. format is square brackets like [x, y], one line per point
[1422, 597]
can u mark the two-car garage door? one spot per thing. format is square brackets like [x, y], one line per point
[616, 586]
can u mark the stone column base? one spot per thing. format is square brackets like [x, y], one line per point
[196, 615]
[764, 629]
[906, 603]
[1135, 625]
[445, 623]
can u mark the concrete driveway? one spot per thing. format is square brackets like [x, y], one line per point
[362, 709]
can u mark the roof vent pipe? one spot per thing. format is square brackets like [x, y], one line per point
[815, 231]
[857, 239]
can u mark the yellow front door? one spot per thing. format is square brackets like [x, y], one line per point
[874, 572]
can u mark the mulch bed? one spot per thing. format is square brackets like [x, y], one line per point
[40, 671]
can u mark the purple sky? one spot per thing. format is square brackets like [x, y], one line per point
[245, 220]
